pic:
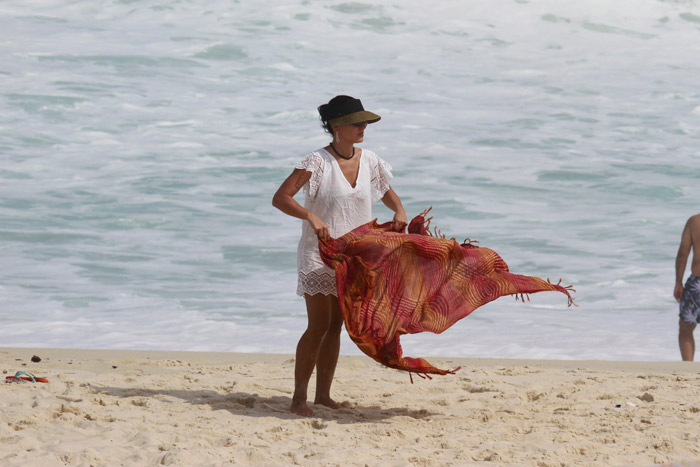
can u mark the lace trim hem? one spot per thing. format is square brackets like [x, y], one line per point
[313, 283]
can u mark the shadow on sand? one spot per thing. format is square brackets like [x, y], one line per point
[254, 405]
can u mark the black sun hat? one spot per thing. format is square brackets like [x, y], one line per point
[346, 110]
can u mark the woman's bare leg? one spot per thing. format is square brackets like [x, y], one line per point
[328, 357]
[318, 309]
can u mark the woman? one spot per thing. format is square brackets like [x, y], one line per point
[340, 184]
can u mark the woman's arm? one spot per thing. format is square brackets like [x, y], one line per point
[393, 202]
[285, 202]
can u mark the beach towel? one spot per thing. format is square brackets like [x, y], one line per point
[392, 283]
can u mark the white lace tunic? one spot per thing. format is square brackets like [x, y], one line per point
[331, 197]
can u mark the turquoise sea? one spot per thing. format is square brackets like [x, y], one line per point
[141, 142]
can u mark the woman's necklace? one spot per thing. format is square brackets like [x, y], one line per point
[347, 158]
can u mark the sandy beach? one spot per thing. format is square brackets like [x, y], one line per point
[104, 407]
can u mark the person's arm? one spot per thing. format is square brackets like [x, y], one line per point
[682, 259]
[393, 202]
[285, 202]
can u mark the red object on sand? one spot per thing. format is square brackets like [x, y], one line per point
[392, 283]
[15, 379]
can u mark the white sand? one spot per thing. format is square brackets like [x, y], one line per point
[194, 409]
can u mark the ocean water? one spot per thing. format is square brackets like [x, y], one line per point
[141, 143]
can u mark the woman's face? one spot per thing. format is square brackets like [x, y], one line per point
[353, 133]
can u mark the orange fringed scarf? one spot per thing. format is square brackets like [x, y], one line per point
[392, 283]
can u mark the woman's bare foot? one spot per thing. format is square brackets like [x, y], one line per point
[300, 408]
[328, 402]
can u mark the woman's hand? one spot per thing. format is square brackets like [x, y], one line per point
[400, 220]
[392, 201]
[320, 227]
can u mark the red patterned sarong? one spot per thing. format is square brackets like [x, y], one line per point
[392, 283]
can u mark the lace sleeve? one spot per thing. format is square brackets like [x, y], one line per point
[312, 163]
[381, 175]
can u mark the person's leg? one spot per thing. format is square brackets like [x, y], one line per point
[319, 317]
[686, 341]
[328, 357]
